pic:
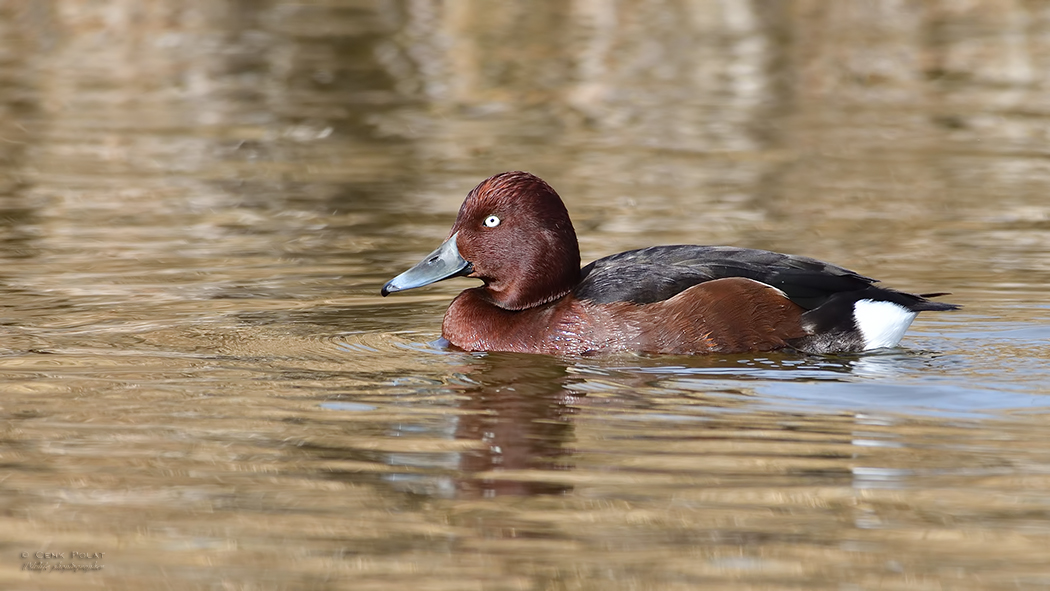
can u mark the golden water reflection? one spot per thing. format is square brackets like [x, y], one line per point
[200, 200]
[511, 469]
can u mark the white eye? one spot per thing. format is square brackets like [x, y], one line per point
[491, 221]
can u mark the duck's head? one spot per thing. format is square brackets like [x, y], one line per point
[512, 232]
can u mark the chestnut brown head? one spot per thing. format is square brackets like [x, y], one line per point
[512, 232]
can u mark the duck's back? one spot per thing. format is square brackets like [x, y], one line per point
[842, 310]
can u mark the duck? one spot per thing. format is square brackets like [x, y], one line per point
[513, 232]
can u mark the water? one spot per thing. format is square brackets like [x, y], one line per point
[200, 387]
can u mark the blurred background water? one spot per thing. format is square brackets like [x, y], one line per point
[201, 389]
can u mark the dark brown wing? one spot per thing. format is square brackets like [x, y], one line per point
[658, 273]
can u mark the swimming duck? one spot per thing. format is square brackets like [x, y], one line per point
[513, 233]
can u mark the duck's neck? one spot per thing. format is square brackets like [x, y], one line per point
[528, 294]
[544, 271]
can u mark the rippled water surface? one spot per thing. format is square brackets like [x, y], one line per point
[200, 387]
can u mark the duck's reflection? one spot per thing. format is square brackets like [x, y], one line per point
[517, 411]
[519, 408]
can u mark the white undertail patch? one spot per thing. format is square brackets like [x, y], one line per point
[882, 324]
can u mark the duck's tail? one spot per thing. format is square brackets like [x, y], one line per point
[862, 320]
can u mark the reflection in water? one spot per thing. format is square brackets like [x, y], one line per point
[513, 414]
[520, 409]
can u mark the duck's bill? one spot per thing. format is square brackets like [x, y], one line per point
[443, 263]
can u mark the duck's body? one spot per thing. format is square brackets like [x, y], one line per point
[514, 233]
[576, 326]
